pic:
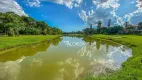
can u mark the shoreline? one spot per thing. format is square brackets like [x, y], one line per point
[26, 42]
[131, 69]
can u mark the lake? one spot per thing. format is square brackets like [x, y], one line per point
[64, 58]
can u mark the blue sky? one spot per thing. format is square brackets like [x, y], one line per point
[55, 15]
[74, 15]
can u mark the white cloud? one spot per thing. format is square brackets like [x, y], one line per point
[83, 15]
[104, 10]
[139, 4]
[11, 5]
[101, 10]
[68, 3]
[34, 3]
[116, 19]
[137, 12]
[106, 3]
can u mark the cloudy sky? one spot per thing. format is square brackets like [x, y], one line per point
[73, 15]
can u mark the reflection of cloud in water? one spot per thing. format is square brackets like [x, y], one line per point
[36, 62]
[121, 51]
[103, 60]
[10, 70]
[70, 70]
[103, 66]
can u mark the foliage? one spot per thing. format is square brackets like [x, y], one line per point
[104, 30]
[56, 31]
[115, 30]
[24, 25]
[10, 32]
[87, 31]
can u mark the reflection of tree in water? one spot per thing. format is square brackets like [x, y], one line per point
[100, 42]
[107, 48]
[27, 50]
[74, 36]
[56, 41]
[91, 40]
[88, 39]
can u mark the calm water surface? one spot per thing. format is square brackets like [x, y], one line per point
[65, 58]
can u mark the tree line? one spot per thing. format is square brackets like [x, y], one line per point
[12, 24]
[126, 28]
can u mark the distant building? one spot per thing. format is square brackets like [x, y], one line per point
[126, 24]
[91, 27]
[109, 23]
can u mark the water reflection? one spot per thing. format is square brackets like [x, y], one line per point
[10, 70]
[63, 62]
[29, 50]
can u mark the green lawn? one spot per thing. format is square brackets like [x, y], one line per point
[132, 68]
[8, 42]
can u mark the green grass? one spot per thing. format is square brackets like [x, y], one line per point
[9, 42]
[132, 68]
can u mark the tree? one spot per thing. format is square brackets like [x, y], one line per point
[104, 30]
[16, 31]
[140, 25]
[44, 32]
[86, 31]
[24, 25]
[115, 30]
[56, 31]
[99, 26]
[9, 27]
[10, 32]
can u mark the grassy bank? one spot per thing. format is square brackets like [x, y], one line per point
[132, 68]
[9, 42]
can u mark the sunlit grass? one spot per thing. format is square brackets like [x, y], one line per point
[8, 42]
[132, 68]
